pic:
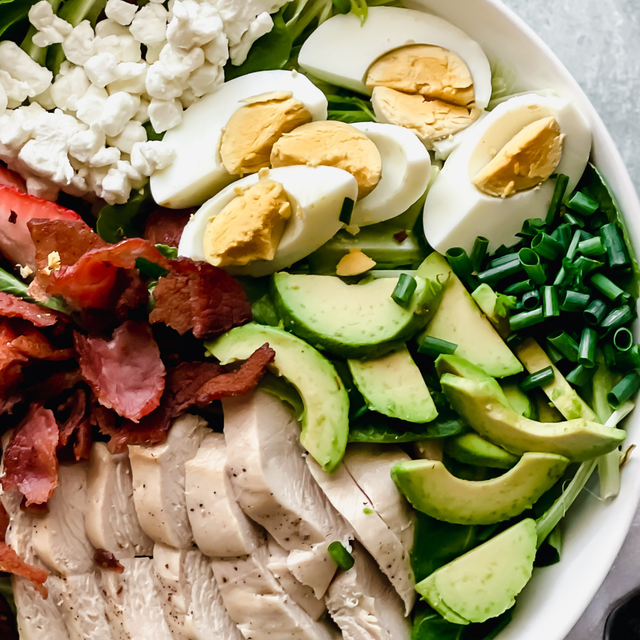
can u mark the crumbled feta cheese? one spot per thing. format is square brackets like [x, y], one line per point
[41, 188]
[132, 134]
[161, 84]
[143, 112]
[193, 24]
[85, 144]
[105, 157]
[150, 24]
[117, 183]
[147, 157]
[207, 78]
[16, 127]
[3, 100]
[108, 27]
[51, 29]
[91, 105]
[187, 98]
[217, 51]
[259, 27]
[44, 99]
[102, 69]
[69, 88]
[19, 66]
[153, 52]
[118, 110]
[131, 78]
[80, 45]
[238, 16]
[124, 48]
[120, 11]
[178, 64]
[16, 90]
[165, 114]
[25, 271]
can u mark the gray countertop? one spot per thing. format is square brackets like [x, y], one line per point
[599, 42]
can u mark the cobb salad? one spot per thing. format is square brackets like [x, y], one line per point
[314, 324]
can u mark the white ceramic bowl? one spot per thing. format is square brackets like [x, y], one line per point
[594, 532]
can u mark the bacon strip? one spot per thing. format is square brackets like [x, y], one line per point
[11, 562]
[76, 429]
[14, 307]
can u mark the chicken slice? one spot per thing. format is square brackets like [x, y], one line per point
[190, 598]
[273, 486]
[132, 602]
[363, 603]
[220, 528]
[59, 536]
[379, 540]
[111, 519]
[39, 618]
[158, 482]
[370, 466]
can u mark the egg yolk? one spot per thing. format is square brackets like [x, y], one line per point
[250, 227]
[526, 161]
[333, 144]
[252, 130]
[354, 263]
[424, 88]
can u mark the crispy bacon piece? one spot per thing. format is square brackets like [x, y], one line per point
[14, 307]
[11, 563]
[12, 359]
[76, 429]
[33, 344]
[165, 226]
[30, 461]
[200, 297]
[107, 560]
[126, 373]
[189, 384]
[4, 522]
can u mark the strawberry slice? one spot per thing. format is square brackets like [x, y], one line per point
[10, 178]
[16, 209]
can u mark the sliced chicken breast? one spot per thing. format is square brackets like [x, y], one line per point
[192, 604]
[379, 540]
[132, 602]
[158, 482]
[83, 608]
[111, 519]
[39, 619]
[370, 466]
[363, 603]
[220, 528]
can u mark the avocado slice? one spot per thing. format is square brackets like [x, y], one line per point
[484, 582]
[432, 489]
[470, 448]
[459, 320]
[325, 420]
[487, 299]
[559, 391]
[393, 385]
[351, 320]
[518, 400]
[486, 413]
[459, 366]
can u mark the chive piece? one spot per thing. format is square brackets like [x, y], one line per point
[573, 220]
[509, 257]
[581, 375]
[586, 265]
[526, 319]
[623, 361]
[611, 357]
[582, 203]
[546, 246]
[563, 235]
[550, 306]
[554, 355]
[616, 250]
[592, 247]
[461, 265]
[346, 211]
[531, 300]
[500, 272]
[435, 347]
[562, 182]
[617, 318]
[598, 221]
[571, 252]
[587, 347]
[594, 314]
[575, 301]
[606, 287]
[624, 390]
[520, 287]
[478, 252]
[514, 340]
[530, 261]
[564, 343]
[340, 556]
[538, 379]
[404, 289]
[623, 339]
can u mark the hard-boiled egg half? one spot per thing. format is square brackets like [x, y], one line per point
[499, 176]
[421, 71]
[230, 133]
[267, 221]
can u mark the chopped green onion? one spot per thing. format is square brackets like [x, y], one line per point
[594, 314]
[565, 344]
[563, 235]
[461, 265]
[546, 246]
[500, 271]
[404, 289]
[507, 257]
[598, 220]
[562, 182]
[520, 287]
[606, 287]
[531, 300]
[624, 390]
[611, 357]
[592, 247]
[581, 375]
[553, 353]
[571, 251]
[347, 211]
[514, 340]
[550, 306]
[623, 339]
[582, 203]
[530, 261]
[478, 252]
[573, 220]
[625, 360]
[575, 301]
[526, 319]
[614, 244]
[531, 227]
[341, 556]
[538, 379]
[584, 265]
[435, 347]
[587, 347]
[617, 318]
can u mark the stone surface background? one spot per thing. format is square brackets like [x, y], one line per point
[599, 42]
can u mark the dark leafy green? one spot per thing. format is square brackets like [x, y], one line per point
[14, 13]
[262, 307]
[11, 284]
[349, 108]
[119, 221]
[171, 253]
[550, 550]
[150, 269]
[430, 625]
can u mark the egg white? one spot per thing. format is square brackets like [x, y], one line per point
[197, 173]
[456, 211]
[316, 195]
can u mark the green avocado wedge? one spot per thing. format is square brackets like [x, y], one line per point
[459, 366]
[352, 320]
[470, 448]
[325, 419]
[432, 489]
[486, 413]
[484, 582]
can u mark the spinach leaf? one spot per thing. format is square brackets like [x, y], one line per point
[262, 307]
[11, 284]
[150, 269]
[119, 221]
[376, 428]
[430, 625]
[170, 253]
[550, 550]
[13, 13]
